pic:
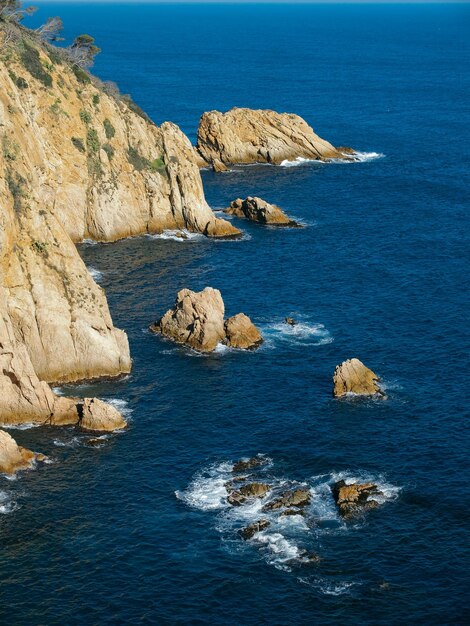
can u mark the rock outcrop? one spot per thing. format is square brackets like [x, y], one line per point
[352, 376]
[197, 320]
[12, 456]
[355, 498]
[297, 498]
[263, 136]
[258, 210]
[252, 529]
[252, 463]
[241, 333]
[96, 415]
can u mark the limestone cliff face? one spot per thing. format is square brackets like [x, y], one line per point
[104, 170]
[250, 136]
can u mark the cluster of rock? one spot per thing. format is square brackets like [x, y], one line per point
[353, 377]
[197, 320]
[263, 136]
[258, 210]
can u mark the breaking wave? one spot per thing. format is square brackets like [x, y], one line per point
[95, 274]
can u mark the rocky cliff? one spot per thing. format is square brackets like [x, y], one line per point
[76, 161]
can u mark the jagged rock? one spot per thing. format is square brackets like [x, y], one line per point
[290, 321]
[258, 210]
[263, 136]
[95, 442]
[352, 376]
[242, 333]
[197, 320]
[218, 166]
[253, 463]
[292, 512]
[298, 498]
[251, 530]
[254, 490]
[98, 416]
[251, 490]
[13, 457]
[353, 499]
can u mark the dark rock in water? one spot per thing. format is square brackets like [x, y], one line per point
[305, 558]
[354, 499]
[254, 490]
[231, 485]
[243, 466]
[290, 320]
[251, 490]
[252, 529]
[293, 498]
[292, 512]
[236, 498]
[95, 442]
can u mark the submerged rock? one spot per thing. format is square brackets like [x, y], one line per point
[197, 320]
[13, 457]
[290, 321]
[260, 136]
[253, 463]
[354, 499]
[258, 210]
[298, 498]
[242, 333]
[352, 376]
[99, 416]
[251, 530]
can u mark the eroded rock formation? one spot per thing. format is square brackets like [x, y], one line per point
[197, 320]
[355, 498]
[240, 332]
[260, 136]
[258, 210]
[352, 376]
[13, 457]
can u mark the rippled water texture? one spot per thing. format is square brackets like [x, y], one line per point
[135, 529]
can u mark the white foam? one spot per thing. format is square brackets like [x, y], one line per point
[121, 405]
[181, 236]
[25, 426]
[298, 161]
[327, 587]
[367, 156]
[302, 333]
[7, 505]
[95, 274]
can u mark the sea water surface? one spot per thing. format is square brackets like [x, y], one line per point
[136, 530]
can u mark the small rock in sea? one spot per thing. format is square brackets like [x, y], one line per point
[289, 512]
[181, 235]
[352, 376]
[259, 211]
[243, 466]
[242, 333]
[253, 529]
[95, 442]
[299, 498]
[354, 499]
[290, 320]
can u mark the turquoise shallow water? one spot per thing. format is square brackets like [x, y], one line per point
[136, 531]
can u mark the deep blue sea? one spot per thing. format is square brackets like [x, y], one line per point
[136, 531]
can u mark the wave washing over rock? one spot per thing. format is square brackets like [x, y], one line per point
[291, 534]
